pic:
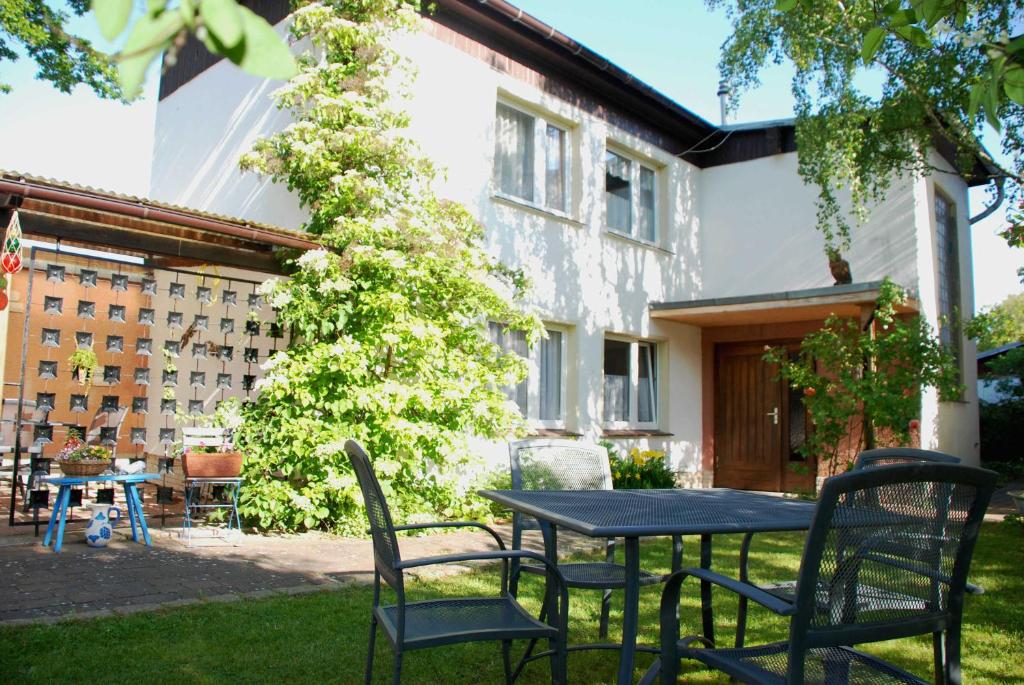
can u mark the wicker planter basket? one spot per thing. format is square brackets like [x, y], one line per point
[83, 467]
[211, 464]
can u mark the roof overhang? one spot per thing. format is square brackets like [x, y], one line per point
[74, 213]
[815, 304]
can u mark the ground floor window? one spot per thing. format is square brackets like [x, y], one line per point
[541, 395]
[630, 382]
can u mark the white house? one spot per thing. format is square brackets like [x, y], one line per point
[665, 251]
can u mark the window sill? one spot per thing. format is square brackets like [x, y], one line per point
[553, 433]
[545, 212]
[635, 433]
[636, 241]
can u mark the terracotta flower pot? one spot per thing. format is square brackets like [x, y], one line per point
[212, 464]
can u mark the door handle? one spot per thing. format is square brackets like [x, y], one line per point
[774, 413]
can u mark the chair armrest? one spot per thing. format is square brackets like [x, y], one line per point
[970, 588]
[454, 524]
[751, 592]
[481, 556]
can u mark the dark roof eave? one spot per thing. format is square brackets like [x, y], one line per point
[783, 296]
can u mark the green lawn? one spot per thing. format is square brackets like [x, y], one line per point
[321, 638]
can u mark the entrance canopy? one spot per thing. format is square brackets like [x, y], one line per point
[814, 304]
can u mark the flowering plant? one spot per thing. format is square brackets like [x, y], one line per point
[76, 450]
[640, 469]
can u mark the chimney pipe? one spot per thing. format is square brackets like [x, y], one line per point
[723, 99]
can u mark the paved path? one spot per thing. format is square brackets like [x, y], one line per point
[125, 577]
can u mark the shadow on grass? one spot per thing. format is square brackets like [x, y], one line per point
[322, 637]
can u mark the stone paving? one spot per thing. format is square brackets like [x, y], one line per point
[125, 577]
[37, 585]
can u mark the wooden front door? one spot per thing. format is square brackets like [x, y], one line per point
[756, 433]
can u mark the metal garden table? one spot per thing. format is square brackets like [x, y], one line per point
[131, 496]
[632, 514]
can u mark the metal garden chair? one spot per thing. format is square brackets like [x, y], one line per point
[786, 590]
[540, 464]
[433, 623]
[871, 526]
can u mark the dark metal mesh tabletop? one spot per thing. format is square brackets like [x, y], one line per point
[629, 513]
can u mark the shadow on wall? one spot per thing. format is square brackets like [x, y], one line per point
[760, 232]
[195, 161]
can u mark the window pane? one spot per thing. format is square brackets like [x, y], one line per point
[513, 152]
[617, 192]
[646, 205]
[511, 341]
[647, 390]
[555, 168]
[949, 274]
[616, 380]
[551, 377]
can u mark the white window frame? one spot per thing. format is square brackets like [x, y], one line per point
[533, 387]
[633, 386]
[540, 150]
[636, 163]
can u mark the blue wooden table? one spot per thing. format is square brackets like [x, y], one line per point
[131, 495]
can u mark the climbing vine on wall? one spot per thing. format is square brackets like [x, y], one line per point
[390, 342]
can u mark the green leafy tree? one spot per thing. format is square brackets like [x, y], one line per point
[866, 378]
[390, 343]
[941, 64]
[998, 325]
[225, 27]
[64, 59]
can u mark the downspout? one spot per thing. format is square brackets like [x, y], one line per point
[1000, 195]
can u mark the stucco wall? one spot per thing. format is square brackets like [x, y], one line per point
[734, 230]
[759, 234]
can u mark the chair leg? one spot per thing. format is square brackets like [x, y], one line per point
[741, 623]
[939, 655]
[559, 662]
[397, 677]
[606, 605]
[369, 654]
[506, 660]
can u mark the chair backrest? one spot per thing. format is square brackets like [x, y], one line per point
[203, 436]
[857, 553]
[888, 456]
[382, 529]
[559, 465]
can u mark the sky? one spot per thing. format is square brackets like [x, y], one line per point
[671, 45]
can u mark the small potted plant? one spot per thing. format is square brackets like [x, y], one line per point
[83, 365]
[211, 461]
[79, 459]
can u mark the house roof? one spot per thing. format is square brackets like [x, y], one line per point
[812, 304]
[530, 41]
[64, 210]
[998, 351]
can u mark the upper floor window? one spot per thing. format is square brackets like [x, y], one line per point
[540, 396]
[630, 197]
[531, 158]
[630, 382]
[948, 251]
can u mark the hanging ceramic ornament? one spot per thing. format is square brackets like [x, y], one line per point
[10, 262]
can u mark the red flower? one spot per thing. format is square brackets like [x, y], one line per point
[914, 424]
[810, 392]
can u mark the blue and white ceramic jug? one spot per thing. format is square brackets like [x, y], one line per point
[100, 527]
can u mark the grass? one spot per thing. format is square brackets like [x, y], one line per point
[321, 638]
